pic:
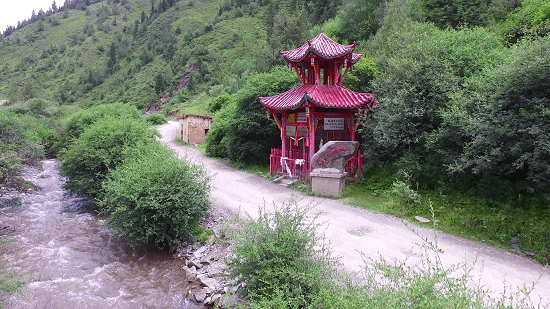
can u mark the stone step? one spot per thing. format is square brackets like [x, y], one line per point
[286, 180]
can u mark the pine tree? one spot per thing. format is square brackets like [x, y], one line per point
[111, 63]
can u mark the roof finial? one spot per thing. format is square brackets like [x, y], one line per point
[321, 30]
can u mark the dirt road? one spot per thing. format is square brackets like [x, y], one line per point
[353, 231]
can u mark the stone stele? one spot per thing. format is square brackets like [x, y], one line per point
[329, 163]
[334, 154]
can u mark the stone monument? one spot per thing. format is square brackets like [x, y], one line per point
[328, 164]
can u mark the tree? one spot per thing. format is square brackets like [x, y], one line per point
[160, 83]
[513, 100]
[358, 20]
[251, 135]
[445, 13]
[111, 63]
[54, 6]
[287, 33]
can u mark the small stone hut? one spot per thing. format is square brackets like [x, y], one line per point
[193, 128]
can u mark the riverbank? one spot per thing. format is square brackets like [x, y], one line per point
[70, 260]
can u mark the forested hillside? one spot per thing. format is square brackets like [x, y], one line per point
[463, 86]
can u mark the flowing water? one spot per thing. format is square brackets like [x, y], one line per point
[70, 260]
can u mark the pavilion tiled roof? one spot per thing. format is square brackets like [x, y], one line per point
[321, 46]
[321, 95]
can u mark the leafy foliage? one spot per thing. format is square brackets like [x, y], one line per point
[78, 122]
[280, 256]
[251, 135]
[217, 138]
[98, 150]
[528, 21]
[284, 264]
[363, 73]
[219, 102]
[445, 13]
[156, 119]
[22, 140]
[416, 86]
[148, 202]
[358, 19]
[514, 101]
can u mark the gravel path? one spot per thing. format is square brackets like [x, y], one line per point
[353, 231]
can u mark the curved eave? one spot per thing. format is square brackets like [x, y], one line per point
[322, 46]
[318, 54]
[337, 97]
[355, 58]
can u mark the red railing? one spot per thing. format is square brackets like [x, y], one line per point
[297, 164]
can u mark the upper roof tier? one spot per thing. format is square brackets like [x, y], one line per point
[320, 95]
[321, 46]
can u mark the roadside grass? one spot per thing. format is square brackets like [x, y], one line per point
[281, 261]
[523, 230]
[199, 147]
[10, 283]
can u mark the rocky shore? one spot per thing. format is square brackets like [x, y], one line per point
[204, 268]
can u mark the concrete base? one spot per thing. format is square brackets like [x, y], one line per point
[328, 181]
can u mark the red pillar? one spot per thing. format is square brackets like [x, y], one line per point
[283, 134]
[311, 136]
[352, 128]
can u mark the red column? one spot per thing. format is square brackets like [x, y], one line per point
[317, 73]
[311, 136]
[283, 134]
[352, 128]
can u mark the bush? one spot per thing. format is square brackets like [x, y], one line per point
[513, 100]
[219, 102]
[402, 190]
[19, 143]
[10, 164]
[279, 255]
[217, 137]
[153, 197]
[79, 121]
[98, 150]
[156, 119]
[251, 135]
[283, 264]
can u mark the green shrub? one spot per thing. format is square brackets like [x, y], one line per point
[280, 254]
[285, 266]
[219, 102]
[98, 150]
[217, 137]
[153, 197]
[19, 143]
[79, 121]
[10, 164]
[156, 119]
[513, 100]
[402, 190]
[251, 135]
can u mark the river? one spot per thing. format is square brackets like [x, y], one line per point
[70, 260]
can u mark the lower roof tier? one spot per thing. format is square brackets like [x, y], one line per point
[321, 95]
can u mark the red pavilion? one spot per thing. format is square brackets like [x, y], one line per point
[321, 109]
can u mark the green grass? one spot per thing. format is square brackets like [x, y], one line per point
[525, 231]
[286, 242]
